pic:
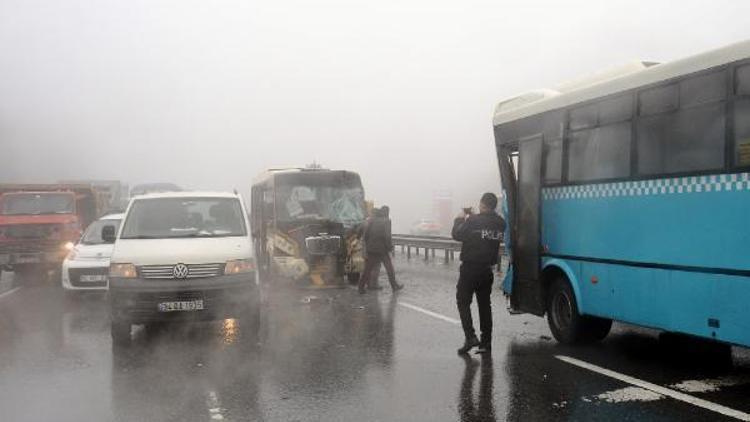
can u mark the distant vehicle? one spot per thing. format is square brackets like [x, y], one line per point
[145, 188]
[426, 227]
[627, 199]
[182, 256]
[114, 193]
[39, 224]
[87, 265]
[305, 225]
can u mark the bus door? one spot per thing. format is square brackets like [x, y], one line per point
[524, 196]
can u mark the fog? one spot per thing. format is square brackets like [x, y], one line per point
[208, 94]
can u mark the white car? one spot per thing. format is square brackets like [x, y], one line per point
[182, 256]
[87, 265]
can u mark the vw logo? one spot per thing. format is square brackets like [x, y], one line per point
[180, 271]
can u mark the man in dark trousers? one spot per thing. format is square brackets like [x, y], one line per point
[378, 246]
[480, 236]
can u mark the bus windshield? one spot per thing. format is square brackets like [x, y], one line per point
[38, 203]
[320, 201]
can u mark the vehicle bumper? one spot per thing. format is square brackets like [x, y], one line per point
[73, 270]
[33, 258]
[228, 296]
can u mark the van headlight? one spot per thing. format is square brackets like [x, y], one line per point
[239, 266]
[123, 271]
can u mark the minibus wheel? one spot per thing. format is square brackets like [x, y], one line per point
[568, 326]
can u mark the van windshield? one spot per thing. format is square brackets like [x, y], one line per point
[165, 218]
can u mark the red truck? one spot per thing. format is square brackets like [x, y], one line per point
[39, 223]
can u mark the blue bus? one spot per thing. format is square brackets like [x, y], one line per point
[628, 199]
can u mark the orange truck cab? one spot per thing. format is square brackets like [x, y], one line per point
[40, 223]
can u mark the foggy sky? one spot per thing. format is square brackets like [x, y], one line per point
[207, 94]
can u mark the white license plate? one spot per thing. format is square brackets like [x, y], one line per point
[186, 305]
[91, 278]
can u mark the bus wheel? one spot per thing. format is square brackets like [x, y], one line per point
[352, 278]
[567, 325]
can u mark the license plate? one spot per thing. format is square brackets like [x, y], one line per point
[90, 278]
[27, 259]
[186, 305]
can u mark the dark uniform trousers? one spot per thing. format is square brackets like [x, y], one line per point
[372, 262]
[475, 279]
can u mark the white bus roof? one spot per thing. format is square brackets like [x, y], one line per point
[615, 80]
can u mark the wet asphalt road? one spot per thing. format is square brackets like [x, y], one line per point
[338, 356]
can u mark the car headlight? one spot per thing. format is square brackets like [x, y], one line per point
[123, 271]
[239, 266]
[68, 246]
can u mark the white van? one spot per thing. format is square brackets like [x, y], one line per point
[87, 265]
[182, 256]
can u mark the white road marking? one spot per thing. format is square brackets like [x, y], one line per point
[643, 390]
[214, 407]
[429, 312]
[705, 404]
[10, 292]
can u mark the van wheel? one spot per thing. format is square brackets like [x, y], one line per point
[568, 326]
[120, 332]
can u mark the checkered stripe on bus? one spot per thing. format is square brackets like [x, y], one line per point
[681, 185]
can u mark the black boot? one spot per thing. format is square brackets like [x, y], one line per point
[469, 344]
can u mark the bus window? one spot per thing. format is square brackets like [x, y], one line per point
[554, 123]
[617, 109]
[584, 117]
[742, 80]
[742, 132]
[600, 153]
[703, 89]
[658, 100]
[689, 140]
[552, 161]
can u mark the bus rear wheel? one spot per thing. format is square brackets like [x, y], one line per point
[568, 326]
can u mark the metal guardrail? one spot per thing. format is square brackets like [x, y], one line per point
[429, 244]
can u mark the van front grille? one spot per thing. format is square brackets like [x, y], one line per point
[194, 271]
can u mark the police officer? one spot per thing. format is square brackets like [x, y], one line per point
[480, 235]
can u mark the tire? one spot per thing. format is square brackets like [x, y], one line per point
[352, 278]
[250, 327]
[567, 325]
[26, 274]
[120, 332]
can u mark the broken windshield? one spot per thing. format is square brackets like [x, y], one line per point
[340, 204]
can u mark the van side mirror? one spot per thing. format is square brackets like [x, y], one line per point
[108, 234]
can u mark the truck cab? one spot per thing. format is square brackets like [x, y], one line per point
[39, 225]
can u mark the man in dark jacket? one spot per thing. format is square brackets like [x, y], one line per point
[378, 247]
[480, 236]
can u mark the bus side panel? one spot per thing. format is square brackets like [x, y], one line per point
[636, 222]
[700, 304]
[696, 222]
